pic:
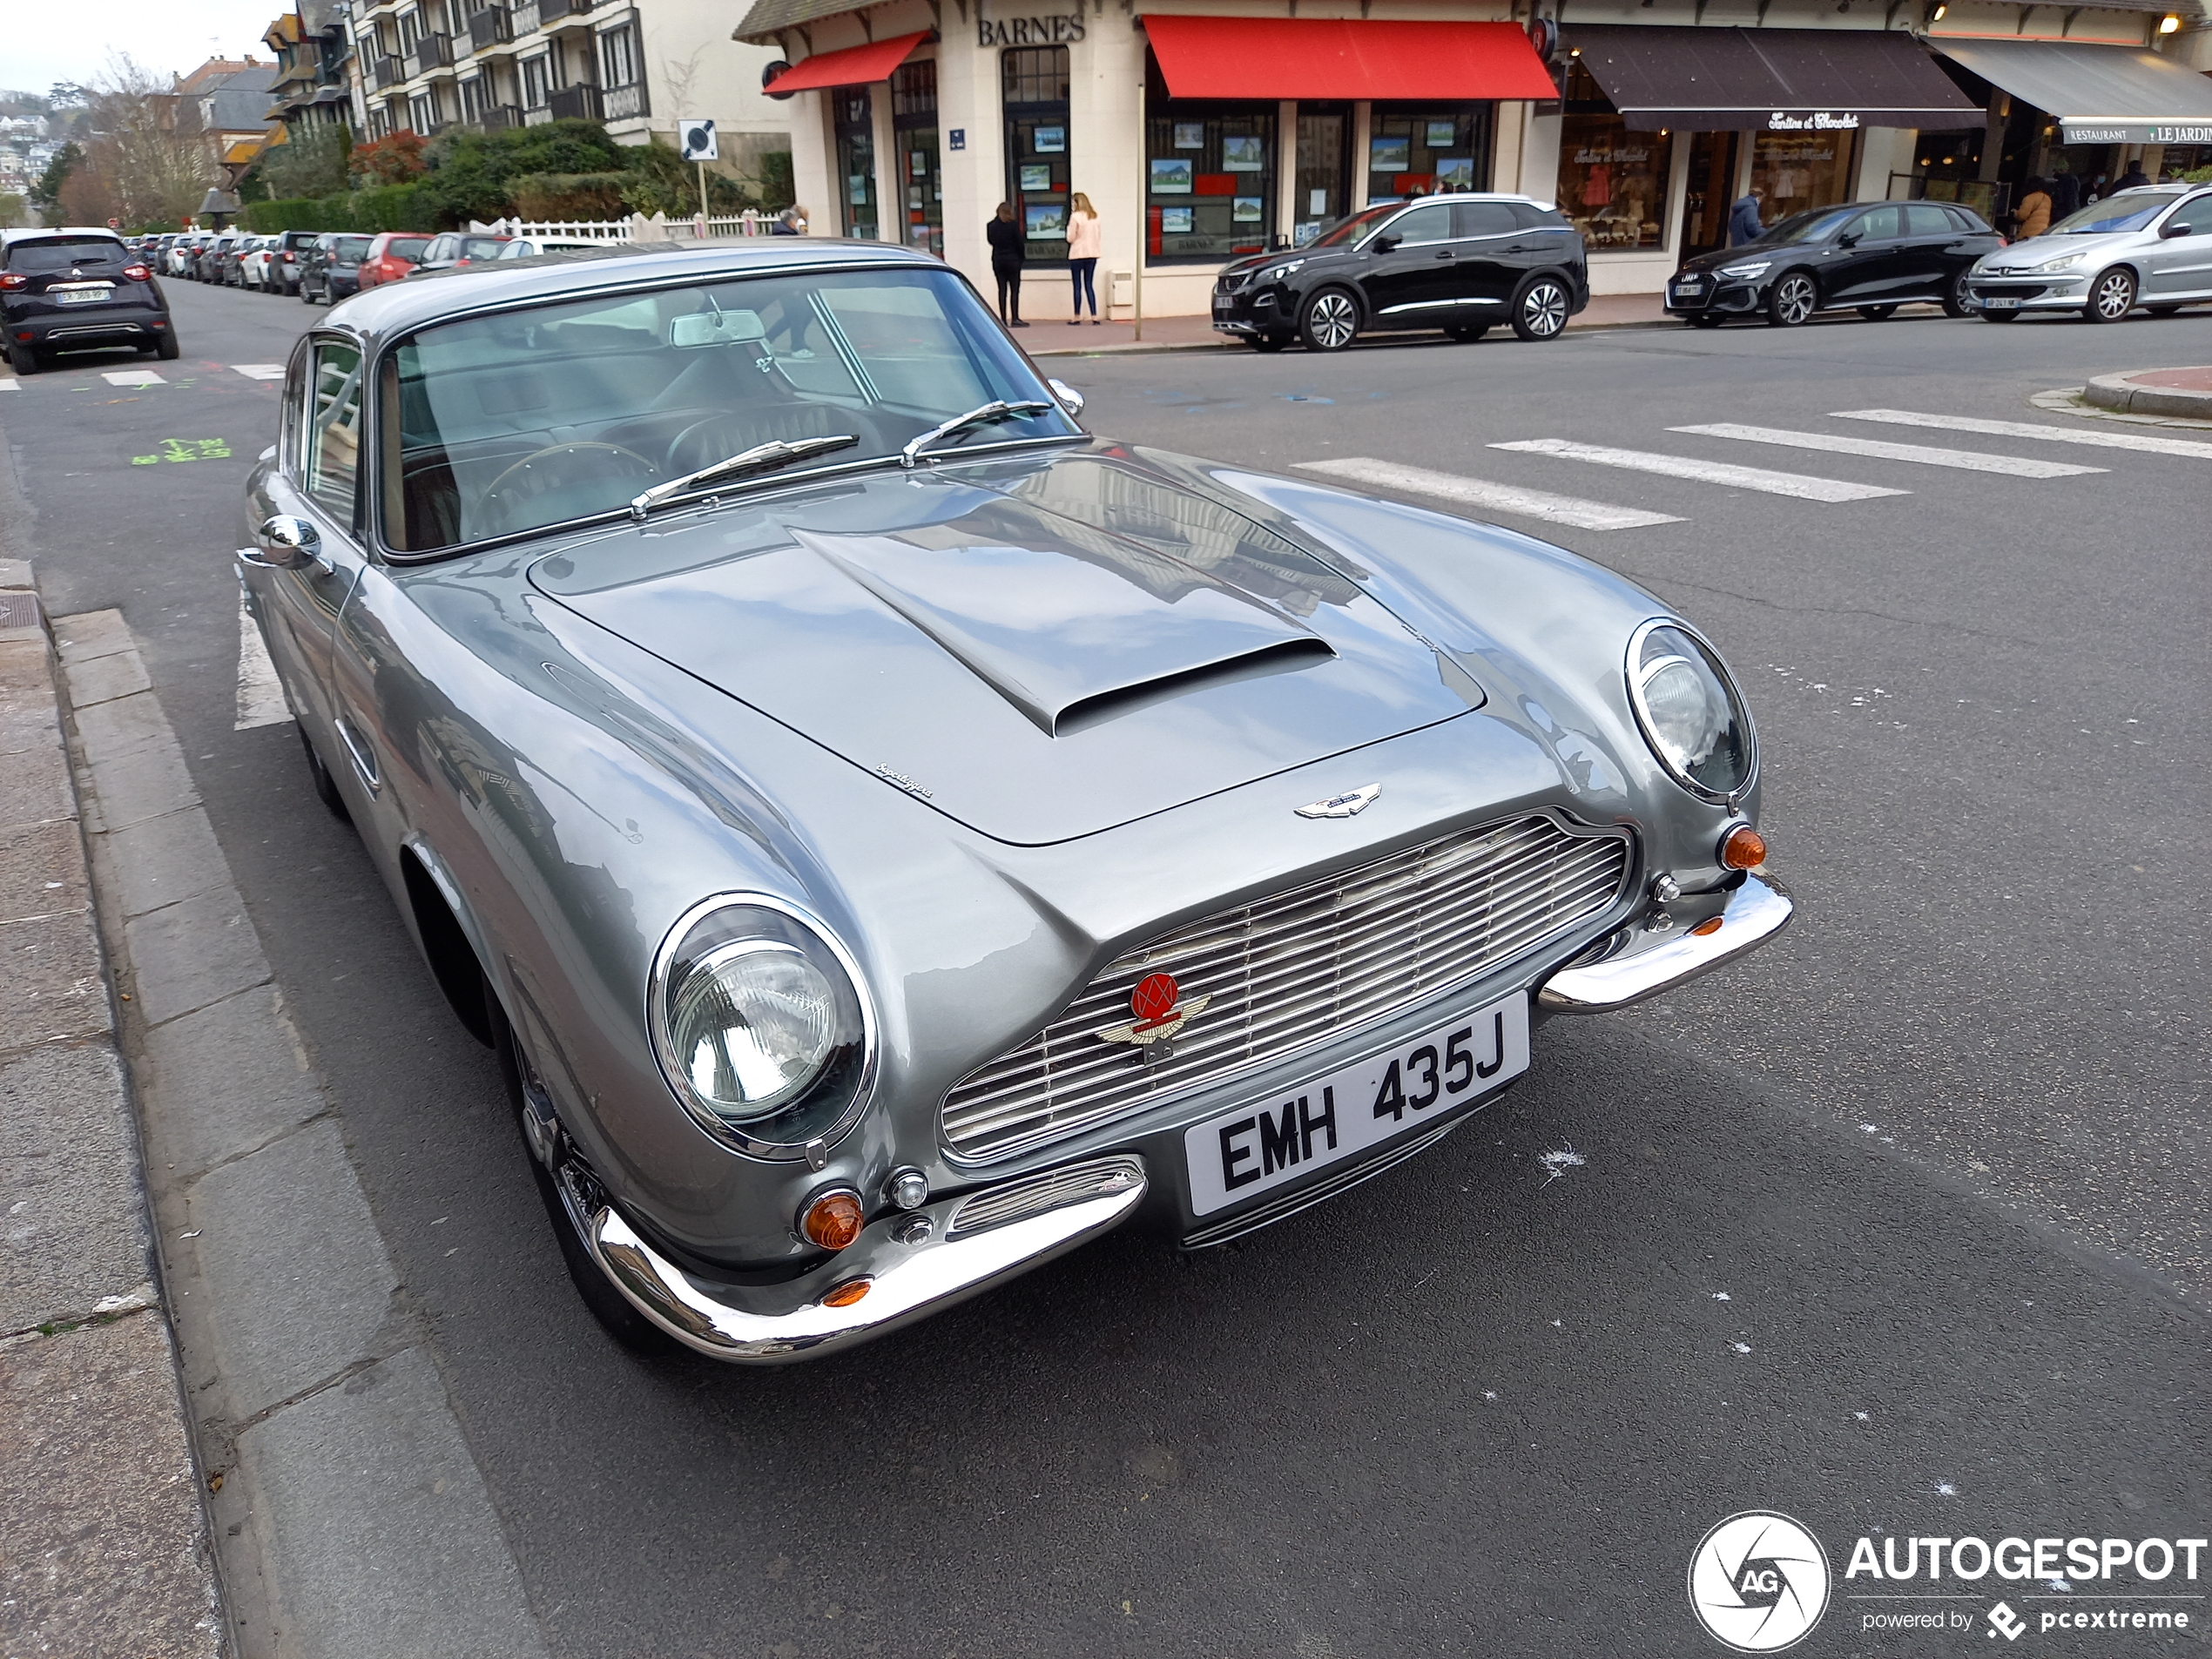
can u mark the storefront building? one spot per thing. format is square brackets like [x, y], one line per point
[1201, 134]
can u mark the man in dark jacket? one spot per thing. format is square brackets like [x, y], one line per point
[1743, 223]
[2134, 179]
[2066, 195]
[1008, 253]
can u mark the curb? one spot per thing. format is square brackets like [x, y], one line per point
[106, 1535]
[2126, 395]
[1138, 348]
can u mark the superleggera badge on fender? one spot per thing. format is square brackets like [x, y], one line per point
[1350, 804]
[1160, 1012]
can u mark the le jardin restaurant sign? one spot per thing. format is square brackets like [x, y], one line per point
[1053, 30]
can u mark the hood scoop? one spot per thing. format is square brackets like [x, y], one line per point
[1069, 640]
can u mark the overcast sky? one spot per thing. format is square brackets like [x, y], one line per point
[47, 41]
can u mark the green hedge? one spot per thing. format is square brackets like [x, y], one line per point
[386, 207]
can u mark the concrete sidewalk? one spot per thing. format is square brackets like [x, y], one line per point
[1061, 339]
[104, 1539]
[2185, 393]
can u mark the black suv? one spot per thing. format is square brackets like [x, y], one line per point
[1461, 263]
[66, 290]
[1867, 257]
[331, 270]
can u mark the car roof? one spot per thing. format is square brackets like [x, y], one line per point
[394, 308]
[36, 232]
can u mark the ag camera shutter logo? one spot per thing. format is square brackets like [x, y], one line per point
[1758, 1581]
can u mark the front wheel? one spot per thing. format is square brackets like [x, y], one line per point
[1877, 313]
[1331, 321]
[1954, 298]
[1540, 313]
[1791, 303]
[2112, 296]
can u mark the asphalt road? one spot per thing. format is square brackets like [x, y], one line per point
[1901, 1227]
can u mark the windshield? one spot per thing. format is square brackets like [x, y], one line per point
[533, 418]
[59, 253]
[350, 250]
[1812, 226]
[2129, 211]
[1347, 230]
[406, 247]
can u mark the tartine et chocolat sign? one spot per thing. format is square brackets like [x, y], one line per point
[1812, 121]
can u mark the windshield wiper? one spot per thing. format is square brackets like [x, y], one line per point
[762, 458]
[997, 409]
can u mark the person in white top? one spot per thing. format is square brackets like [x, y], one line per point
[1086, 237]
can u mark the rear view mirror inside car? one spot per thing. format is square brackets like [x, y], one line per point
[716, 328]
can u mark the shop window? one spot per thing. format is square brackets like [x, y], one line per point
[1417, 150]
[1612, 179]
[1034, 87]
[853, 108]
[1210, 176]
[1801, 171]
[913, 122]
[1321, 193]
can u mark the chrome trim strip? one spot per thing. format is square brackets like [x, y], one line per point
[1756, 913]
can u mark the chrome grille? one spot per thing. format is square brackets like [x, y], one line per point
[1292, 971]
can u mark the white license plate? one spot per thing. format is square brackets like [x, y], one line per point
[1253, 1149]
[76, 296]
[2008, 303]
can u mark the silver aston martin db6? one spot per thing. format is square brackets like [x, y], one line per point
[891, 836]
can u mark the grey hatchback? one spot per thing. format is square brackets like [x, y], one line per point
[2151, 247]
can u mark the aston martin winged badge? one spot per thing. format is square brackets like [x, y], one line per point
[1350, 804]
[1161, 1009]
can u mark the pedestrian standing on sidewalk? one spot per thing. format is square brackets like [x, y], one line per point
[2134, 179]
[1008, 252]
[791, 222]
[2066, 195]
[1744, 222]
[2032, 213]
[1086, 237]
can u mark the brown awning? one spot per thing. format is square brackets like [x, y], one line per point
[1776, 80]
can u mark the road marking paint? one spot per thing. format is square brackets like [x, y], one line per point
[259, 371]
[8, 385]
[132, 377]
[1704, 472]
[260, 697]
[186, 449]
[2103, 440]
[1477, 492]
[1965, 460]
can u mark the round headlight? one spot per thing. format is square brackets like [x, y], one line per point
[759, 1025]
[1690, 712]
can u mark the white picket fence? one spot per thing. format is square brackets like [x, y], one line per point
[637, 228]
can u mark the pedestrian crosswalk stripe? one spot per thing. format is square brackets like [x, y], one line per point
[2102, 438]
[1500, 498]
[259, 371]
[1704, 472]
[1965, 460]
[132, 377]
[7, 384]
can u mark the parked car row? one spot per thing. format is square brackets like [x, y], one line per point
[326, 266]
[71, 289]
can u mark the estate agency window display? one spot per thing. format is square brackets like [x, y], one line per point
[1033, 81]
[1612, 179]
[1210, 176]
[913, 122]
[1416, 150]
[853, 107]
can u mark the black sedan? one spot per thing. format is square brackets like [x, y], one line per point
[1460, 263]
[69, 290]
[331, 270]
[1868, 257]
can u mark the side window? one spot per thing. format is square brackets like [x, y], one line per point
[1430, 224]
[330, 456]
[2197, 213]
[1879, 224]
[1924, 219]
[1531, 218]
[1483, 219]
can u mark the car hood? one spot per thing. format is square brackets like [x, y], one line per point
[2025, 256]
[1040, 648]
[1302, 256]
[1706, 264]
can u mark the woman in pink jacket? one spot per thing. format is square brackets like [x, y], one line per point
[1086, 237]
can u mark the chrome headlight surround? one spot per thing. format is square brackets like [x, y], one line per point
[813, 1115]
[1640, 674]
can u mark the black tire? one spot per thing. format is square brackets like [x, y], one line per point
[1329, 320]
[306, 298]
[1877, 313]
[1792, 301]
[1267, 342]
[1466, 332]
[1704, 319]
[1541, 308]
[1954, 298]
[2112, 296]
[166, 347]
[326, 785]
[612, 1310]
[2161, 311]
[22, 360]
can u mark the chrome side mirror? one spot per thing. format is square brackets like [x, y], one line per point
[284, 544]
[1068, 397]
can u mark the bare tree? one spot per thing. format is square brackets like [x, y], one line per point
[147, 161]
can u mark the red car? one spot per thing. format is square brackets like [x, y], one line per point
[391, 256]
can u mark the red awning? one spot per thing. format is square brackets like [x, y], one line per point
[854, 66]
[1315, 57]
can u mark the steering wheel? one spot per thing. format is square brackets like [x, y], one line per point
[531, 480]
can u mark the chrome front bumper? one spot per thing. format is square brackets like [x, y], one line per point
[1756, 913]
[914, 1263]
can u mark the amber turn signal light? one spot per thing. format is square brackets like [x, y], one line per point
[1702, 928]
[831, 1219]
[1744, 848]
[843, 1296]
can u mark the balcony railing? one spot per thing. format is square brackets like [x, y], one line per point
[387, 71]
[500, 116]
[488, 28]
[432, 51]
[577, 102]
[536, 117]
[551, 13]
[623, 103]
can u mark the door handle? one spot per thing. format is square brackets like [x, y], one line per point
[1445, 253]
